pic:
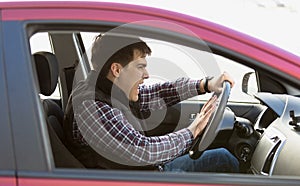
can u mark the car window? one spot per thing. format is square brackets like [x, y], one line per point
[40, 42]
[169, 61]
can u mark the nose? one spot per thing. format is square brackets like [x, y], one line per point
[145, 74]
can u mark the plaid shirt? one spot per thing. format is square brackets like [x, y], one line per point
[106, 129]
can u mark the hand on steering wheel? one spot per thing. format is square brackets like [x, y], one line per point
[204, 139]
[215, 84]
[201, 119]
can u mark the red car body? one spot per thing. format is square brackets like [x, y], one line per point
[268, 55]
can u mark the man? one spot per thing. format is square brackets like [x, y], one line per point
[104, 123]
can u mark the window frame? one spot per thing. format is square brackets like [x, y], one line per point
[86, 42]
[7, 158]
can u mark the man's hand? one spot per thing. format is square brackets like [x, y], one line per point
[203, 116]
[215, 84]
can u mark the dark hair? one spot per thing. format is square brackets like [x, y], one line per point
[115, 48]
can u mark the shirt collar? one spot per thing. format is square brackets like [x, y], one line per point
[108, 87]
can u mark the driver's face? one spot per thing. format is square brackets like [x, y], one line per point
[132, 75]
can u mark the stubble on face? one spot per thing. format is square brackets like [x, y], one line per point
[133, 75]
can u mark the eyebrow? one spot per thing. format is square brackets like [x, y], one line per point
[142, 63]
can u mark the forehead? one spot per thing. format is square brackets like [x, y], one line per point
[138, 59]
[138, 54]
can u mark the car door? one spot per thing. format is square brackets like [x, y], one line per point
[7, 157]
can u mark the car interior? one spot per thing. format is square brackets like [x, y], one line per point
[245, 121]
[46, 65]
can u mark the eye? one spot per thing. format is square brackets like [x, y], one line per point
[141, 66]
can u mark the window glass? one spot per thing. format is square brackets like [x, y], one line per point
[41, 42]
[170, 61]
[237, 71]
[88, 38]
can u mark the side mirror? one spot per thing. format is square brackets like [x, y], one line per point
[249, 84]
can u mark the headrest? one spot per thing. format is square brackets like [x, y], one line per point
[47, 70]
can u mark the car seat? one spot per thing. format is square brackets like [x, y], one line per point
[47, 71]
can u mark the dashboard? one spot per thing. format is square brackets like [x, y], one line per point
[277, 151]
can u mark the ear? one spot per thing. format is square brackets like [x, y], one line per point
[116, 69]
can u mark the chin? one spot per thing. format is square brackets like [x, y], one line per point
[134, 98]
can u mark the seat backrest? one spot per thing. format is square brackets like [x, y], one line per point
[47, 71]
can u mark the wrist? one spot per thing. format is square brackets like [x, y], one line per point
[201, 87]
[206, 89]
[192, 129]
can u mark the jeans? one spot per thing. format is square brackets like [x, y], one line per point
[215, 160]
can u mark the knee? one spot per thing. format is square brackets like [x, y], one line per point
[229, 159]
[225, 152]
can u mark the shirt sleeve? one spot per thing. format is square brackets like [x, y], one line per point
[110, 134]
[160, 96]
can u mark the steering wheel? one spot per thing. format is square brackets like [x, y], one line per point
[203, 140]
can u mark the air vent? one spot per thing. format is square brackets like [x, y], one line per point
[269, 161]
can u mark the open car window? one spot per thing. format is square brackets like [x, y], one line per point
[169, 61]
